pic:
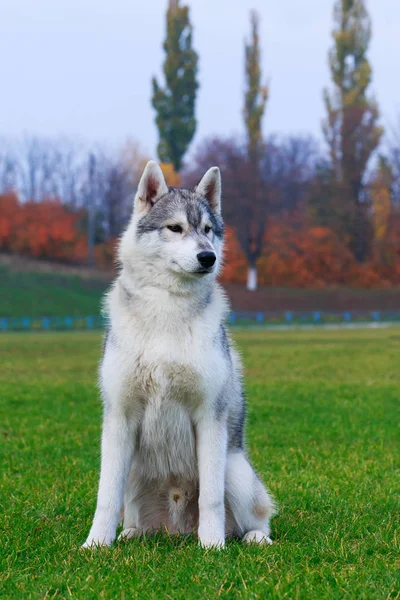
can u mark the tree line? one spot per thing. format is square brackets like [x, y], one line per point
[296, 214]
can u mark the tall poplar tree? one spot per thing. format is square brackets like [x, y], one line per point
[256, 94]
[351, 128]
[175, 102]
[255, 100]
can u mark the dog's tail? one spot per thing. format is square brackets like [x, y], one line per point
[177, 504]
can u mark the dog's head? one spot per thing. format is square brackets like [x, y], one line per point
[175, 232]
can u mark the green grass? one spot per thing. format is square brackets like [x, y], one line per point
[25, 294]
[322, 432]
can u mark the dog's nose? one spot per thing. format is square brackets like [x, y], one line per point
[206, 259]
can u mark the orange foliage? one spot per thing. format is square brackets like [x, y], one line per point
[8, 209]
[171, 176]
[296, 255]
[235, 269]
[41, 230]
[301, 256]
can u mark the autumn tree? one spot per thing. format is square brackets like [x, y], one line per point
[351, 128]
[256, 96]
[171, 176]
[44, 229]
[381, 204]
[325, 207]
[175, 102]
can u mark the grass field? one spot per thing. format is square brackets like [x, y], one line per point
[322, 432]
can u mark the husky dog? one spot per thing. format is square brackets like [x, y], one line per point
[172, 451]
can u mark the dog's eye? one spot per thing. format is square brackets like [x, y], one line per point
[175, 228]
[207, 229]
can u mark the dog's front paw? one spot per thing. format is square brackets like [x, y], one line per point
[95, 541]
[211, 539]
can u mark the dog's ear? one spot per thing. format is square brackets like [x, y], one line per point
[210, 187]
[152, 186]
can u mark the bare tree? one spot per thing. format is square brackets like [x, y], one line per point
[394, 159]
[38, 167]
[8, 168]
[117, 198]
[288, 168]
[70, 171]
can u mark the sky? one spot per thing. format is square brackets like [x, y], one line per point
[82, 68]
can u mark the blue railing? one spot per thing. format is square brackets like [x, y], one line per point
[313, 317]
[51, 323]
[266, 318]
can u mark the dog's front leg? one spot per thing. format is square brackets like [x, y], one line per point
[211, 456]
[117, 444]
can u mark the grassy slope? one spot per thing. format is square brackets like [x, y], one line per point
[323, 427]
[46, 295]
[34, 293]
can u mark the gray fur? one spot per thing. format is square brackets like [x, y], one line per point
[232, 397]
[127, 294]
[236, 423]
[180, 201]
[205, 301]
[224, 342]
[194, 212]
[221, 405]
[106, 338]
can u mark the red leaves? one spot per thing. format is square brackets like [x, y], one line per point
[42, 230]
[235, 269]
[297, 255]
[294, 254]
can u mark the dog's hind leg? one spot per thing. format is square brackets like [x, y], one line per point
[249, 501]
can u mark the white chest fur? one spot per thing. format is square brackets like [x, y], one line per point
[167, 364]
